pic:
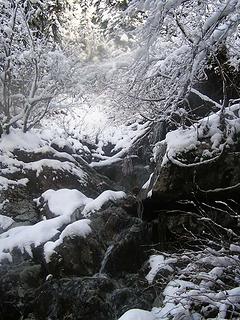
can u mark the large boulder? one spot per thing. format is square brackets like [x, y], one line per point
[114, 237]
[194, 201]
[90, 277]
[214, 179]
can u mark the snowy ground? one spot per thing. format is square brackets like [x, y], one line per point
[97, 128]
[65, 131]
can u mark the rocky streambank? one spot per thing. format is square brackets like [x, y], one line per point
[132, 246]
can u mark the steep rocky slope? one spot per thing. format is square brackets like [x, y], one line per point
[77, 245]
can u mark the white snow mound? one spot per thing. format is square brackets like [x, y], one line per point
[137, 314]
[64, 201]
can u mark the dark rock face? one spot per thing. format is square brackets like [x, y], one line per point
[129, 244]
[87, 298]
[139, 297]
[111, 222]
[77, 256]
[200, 201]
[115, 237]
[131, 173]
[74, 298]
[18, 283]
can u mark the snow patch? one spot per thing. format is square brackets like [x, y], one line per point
[180, 140]
[55, 165]
[64, 201]
[26, 237]
[17, 139]
[157, 263]
[5, 222]
[235, 248]
[123, 138]
[97, 204]
[137, 314]
[5, 183]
